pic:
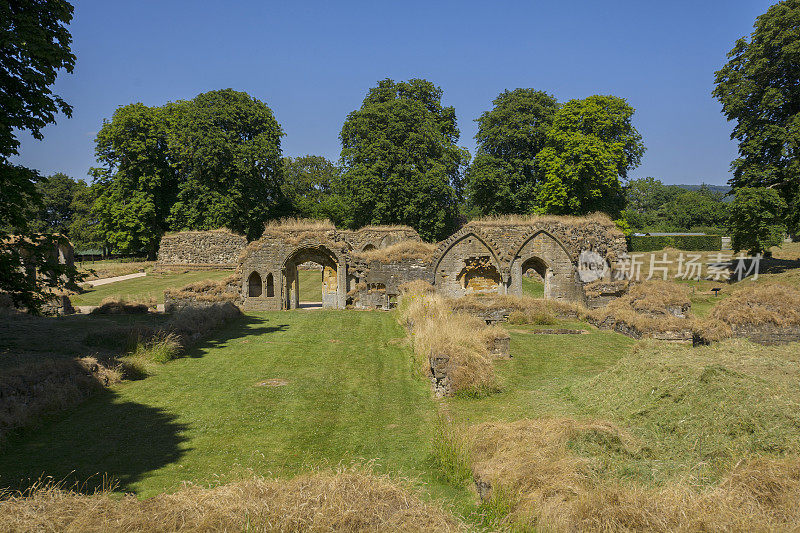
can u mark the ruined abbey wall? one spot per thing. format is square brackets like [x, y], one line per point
[483, 256]
[200, 250]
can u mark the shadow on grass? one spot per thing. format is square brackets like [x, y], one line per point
[102, 437]
[244, 326]
[106, 437]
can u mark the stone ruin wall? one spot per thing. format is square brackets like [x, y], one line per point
[480, 257]
[199, 250]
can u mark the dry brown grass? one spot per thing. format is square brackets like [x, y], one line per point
[351, 500]
[206, 291]
[538, 482]
[488, 303]
[397, 252]
[755, 304]
[518, 220]
[462, 339]
[29, 390]
[199, 232]
[299, 224]
[385, 228]
[114, 306]
[417, 286]
[649, 307]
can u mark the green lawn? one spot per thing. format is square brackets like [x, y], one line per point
[352, 395]
[541, 367]
[310, 285]
[532, 288]
[144, 289]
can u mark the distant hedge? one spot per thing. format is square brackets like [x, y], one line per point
[645, 243]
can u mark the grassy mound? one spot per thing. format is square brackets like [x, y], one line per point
[530, 477]
[649, 307]
[347, 500]
[759, 304]
[701, 410]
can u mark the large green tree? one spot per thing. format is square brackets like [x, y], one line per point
[755, 220]
[226, 146]
[309, 184]
[137, 182]
[34, 48]
[204, 163]
[400, 159]
[589, 151]
[502, 179]
[759, 88]
[56, 211]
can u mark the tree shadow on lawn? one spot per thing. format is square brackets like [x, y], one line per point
[103, 437]
[106, 437]
[244, 326]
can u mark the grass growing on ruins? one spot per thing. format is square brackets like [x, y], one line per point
[145, 289]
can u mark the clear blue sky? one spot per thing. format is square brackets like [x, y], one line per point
[313, 62]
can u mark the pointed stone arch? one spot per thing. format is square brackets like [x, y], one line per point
[550, 258]
[333, 275]
[466, 263]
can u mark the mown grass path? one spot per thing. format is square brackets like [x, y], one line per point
[352, 395]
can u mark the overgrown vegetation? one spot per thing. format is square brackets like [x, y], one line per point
[460, 341]
[351, 499]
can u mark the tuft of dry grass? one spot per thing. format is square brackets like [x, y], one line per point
[113, 306]
[351, 500]
[757, 304]
[417, 286]
[459, 340]
[487, 303]
[529, 477]
[397, 252]
[649, 307]
[29, 390]
[206, 291]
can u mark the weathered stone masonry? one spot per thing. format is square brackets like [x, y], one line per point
[200, 250]
[481, 257]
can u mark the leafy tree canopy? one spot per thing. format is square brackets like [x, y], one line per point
[400, 159]
[199, 164]
[502, 179]
[759, 88]
[755, 220]
[309, 184]
[589, 151]
[34, 47]
[653, 206]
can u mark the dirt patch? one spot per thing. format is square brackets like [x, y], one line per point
[274, 382]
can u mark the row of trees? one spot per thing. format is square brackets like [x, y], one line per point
[216, 161]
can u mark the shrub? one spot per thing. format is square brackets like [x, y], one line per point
[645, 243]
[112, 306]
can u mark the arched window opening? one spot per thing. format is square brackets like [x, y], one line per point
[270, 286]
[368, 247]
[254, 285]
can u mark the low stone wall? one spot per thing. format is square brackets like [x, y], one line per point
[200, 250]
[768, 333]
